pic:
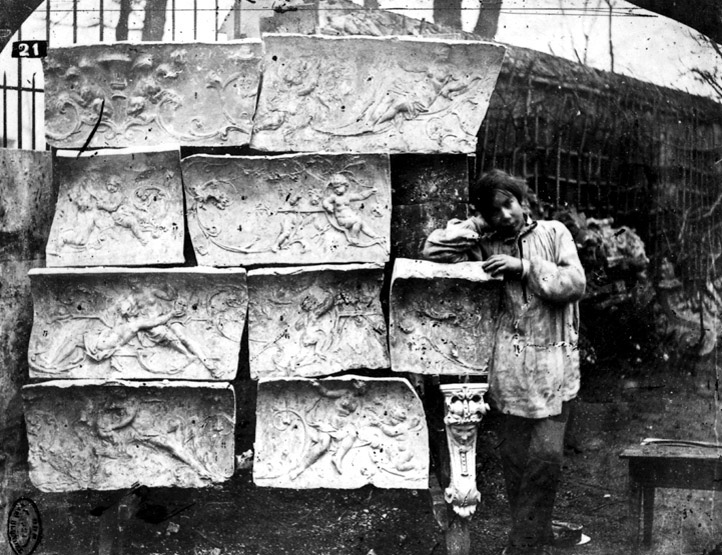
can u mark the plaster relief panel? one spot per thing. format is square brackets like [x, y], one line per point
[151, 93]
[298, 209]
[87, 434]
[442, 317]
[352, 94]
[137, 324]
[340, 433]
[122, 208]
[315, 321]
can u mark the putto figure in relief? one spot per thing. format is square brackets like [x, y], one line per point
[344, 217]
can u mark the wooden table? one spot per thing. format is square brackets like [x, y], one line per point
[668, 464]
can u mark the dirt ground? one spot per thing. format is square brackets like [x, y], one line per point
[618, 406]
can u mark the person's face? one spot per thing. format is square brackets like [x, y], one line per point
[507, 216]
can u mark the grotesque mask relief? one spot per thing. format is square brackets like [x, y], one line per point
[117, 209]
[442, 317]
[149, 324]
[351, 94]
[151, 93]
[86, 434]
[340, 433]
[299, 209]
[315, 321]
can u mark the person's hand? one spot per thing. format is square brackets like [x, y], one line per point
[503, 264]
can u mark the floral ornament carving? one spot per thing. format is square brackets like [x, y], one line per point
[301, 209]
[178, 324]
[315, 321]
[86, 434]
[442, 317]
[340, 433]
[118, 210]
[363, 94]
[199, 94]
[464, 408]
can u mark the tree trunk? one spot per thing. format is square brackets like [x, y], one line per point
[154, 23]
[448, 12]
[488, 21]
[121, 31]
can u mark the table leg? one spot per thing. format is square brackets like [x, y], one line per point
[648, 508]
[635, 511]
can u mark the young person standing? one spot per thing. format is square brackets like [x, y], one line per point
[534, 369]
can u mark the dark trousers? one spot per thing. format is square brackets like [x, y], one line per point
[531, 454]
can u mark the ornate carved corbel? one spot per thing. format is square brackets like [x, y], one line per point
[464, 407]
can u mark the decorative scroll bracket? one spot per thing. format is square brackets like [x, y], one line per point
[464, 408]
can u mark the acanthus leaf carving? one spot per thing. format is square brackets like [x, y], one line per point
[464, 409]
[289, 209]
[87, 434]
[340, 433]
[137, 324]
[151, 93]
[315, 321]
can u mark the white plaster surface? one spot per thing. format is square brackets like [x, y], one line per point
[138, 324]
[90, 434]
[297, 209]
[316, 320]
[340, 433]
[442, 317]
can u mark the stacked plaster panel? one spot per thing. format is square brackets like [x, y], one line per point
[151, 93]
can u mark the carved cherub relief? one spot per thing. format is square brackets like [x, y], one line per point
[370, 95]
[139, 328]
[93, 436]
[289, 209]
[151, 94]
[315, 321]
[345, 432]
[118, 209]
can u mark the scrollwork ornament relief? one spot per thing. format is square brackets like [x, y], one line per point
[117, 208]
[340, 433]
[149, 324]
[442, 317]
[315, 320]
[362, 94]
[90, 434]
[151, 93]
[464, 409]
[298, 209]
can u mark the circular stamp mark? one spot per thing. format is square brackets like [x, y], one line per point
[24, 526]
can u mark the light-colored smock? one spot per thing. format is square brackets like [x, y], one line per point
[535, 361]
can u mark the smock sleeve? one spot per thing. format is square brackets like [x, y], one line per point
[562, 279]
[455, 243]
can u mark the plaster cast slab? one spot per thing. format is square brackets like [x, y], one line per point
[151, 93]
[137, 324]
[117, 208]
[340, 433]
[298, 209]
[87, 434]
[315, 321]
[368, 94]
[442, 317]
